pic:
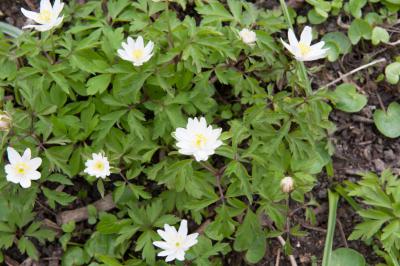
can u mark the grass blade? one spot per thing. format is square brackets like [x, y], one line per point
[333, 202]
[10, 30]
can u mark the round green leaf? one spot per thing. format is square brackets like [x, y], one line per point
[340, 39]
[346, 256]
[359, 28]
[392, 72]
[379, 35]
[347, 98]
[388, 123]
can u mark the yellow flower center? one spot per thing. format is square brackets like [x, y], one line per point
[45, 16]
[99, 166]
[21, 168]
[200, 140]
[177, 244]
[304, 48]
[137, 54]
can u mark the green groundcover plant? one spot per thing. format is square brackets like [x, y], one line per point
[201, 125]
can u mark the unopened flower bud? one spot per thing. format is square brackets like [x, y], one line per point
[5, 121]
[287, 184]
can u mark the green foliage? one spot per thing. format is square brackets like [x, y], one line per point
[392, 72]
[347, 99]
[381, 214]
[347, 256]
[70, 95]
[388, 122]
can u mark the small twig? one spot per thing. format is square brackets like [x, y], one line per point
[381, 60]
[268, 223]
[203, 226]
[313, 228]
[278, 257]
[80, 214]
[393, 43]
[10, 262]
[291, 257]
[342, 234]
[380, 101]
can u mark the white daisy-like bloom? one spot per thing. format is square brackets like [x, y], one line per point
[22, 169]
[303, 50]
[175, 243]
[98, 166]
[197, 139]
[48, 16]
[135, 51]
[248, 36]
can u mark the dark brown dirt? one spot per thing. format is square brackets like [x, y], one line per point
[359, 147]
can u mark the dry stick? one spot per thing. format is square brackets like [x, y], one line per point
[380, 101]
[278, 257]
[381, 60]
[342, 234]
[77, 215]
[291, 257]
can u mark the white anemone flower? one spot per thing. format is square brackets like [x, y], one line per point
[48, 16]
[248, 36]
[198, 139]
[135, 51]
[98, 166]
[303, 50]
[22, 169]
[175, 243]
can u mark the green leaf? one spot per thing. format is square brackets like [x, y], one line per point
[98, 84]
[359, 28]
[388, 123]
[346, 256]
[10, 30]
[347, 98]
[355, 7]
[60, 197]
[250, 237]
[379, 35]
[392, 72]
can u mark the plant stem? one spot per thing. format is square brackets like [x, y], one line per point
[333, 202]
[217, 173]
[303, 70]
[169, 35]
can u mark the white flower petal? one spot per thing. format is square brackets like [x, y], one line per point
[317, 46]
[57, 7]
[13, 155]
[35, 175]
[292, 38]
[29, 14]
[161, 244]
[180, 255]
[35, 163]
[45, 5]
[183, 228]
[27, 155]
[170, 258]
[131, 43]
[139, 42]
[306, 35]
[25, 182]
